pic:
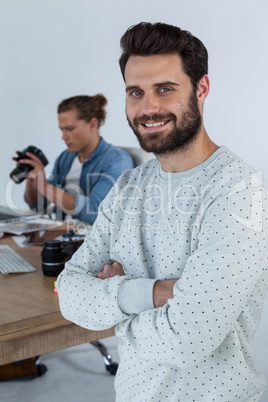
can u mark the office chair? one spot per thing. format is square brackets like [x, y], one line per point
[138, 155]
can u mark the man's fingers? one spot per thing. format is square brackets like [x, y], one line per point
[33, 157]
[111, 270]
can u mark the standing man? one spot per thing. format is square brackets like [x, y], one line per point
[177, 258]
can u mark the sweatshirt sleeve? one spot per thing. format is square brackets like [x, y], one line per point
[85, 299]
[223, 281]
[99, 304]
[136, 295]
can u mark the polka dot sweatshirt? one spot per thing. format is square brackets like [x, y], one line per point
[206, 227]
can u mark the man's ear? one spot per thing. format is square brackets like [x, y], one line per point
[203, 89]
[93, 123]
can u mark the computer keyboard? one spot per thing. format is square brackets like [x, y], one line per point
[11, 262]
[5, 217]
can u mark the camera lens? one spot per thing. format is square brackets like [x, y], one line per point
[53, 258]
[20, 173]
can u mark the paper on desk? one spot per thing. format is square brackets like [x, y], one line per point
[20, 240]
[29, 226]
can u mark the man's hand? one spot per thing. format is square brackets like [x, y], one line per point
[111, 270]
[163, 290]
[36, 176]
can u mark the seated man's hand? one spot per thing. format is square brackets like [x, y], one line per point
[111, 270]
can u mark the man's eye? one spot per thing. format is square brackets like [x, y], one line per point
[165, 89]
[136, 93]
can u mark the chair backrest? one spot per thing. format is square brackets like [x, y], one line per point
[138, 155]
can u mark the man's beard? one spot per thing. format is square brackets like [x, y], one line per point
[180, 137]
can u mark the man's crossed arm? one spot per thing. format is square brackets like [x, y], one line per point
[162, 291]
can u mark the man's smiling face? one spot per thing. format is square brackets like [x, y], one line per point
[161, 104]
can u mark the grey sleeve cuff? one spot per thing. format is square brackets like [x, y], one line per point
[136, 295]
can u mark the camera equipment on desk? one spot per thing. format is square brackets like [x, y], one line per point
[57, 252]
[21, 171]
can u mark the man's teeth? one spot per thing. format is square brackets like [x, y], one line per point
[159, 123]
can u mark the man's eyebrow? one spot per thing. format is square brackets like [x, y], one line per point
[66, 127]
[157, 84]
[132, 87]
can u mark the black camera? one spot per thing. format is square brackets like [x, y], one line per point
[56, 253]
[21, 171]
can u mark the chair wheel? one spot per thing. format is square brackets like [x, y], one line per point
[112, 368]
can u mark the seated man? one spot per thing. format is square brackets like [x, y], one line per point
[85, 172]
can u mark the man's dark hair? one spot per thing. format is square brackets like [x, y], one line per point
[147, 39]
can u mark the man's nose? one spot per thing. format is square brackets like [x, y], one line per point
[151, 104]
[64, 135]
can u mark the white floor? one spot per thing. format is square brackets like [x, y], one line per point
[74, 374]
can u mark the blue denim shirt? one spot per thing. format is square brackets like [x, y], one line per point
[99, 173]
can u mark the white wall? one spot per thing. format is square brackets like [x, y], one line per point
[52, 49]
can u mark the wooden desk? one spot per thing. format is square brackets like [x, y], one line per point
[30, 320]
